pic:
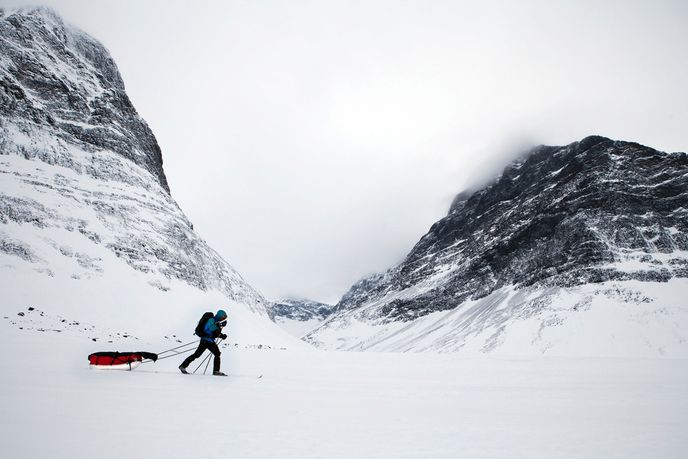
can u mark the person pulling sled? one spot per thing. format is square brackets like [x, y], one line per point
[209, 328]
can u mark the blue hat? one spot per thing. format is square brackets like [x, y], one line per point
[220, 316]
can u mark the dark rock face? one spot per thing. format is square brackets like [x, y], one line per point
[592, 211]
[361, 291]
[301, 310]
[58, 80]
[81, 175]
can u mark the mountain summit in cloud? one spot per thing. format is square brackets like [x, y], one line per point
[555, 234]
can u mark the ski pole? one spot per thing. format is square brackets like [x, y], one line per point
[206, 365]
[199, 366]
[204, 360]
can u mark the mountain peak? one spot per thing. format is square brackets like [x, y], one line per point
[84, 199]
[560, 218]
[57, 79]
[39, 11]
[592, 140]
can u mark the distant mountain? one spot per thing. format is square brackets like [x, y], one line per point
[299, 316]
[87, 222]
[300, 309]
[535, 254]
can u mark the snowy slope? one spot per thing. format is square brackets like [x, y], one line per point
[620, 319]
[574, 250]
[88, 228]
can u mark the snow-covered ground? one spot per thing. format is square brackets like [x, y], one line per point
[297, 328]
[326, 404]
[95, 255]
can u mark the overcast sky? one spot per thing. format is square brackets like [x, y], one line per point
[312, 143]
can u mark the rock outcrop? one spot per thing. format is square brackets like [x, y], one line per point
[592, 212]
[81, 177]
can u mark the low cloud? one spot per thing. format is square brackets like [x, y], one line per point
[312, 143]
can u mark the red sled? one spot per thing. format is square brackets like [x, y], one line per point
[119, 360]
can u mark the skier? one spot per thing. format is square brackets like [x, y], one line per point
[209, 328]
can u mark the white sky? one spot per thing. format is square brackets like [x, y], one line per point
[314, 142]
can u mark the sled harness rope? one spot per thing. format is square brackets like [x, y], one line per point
[179, 350]
[185, 349]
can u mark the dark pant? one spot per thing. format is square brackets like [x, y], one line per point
[202, 346]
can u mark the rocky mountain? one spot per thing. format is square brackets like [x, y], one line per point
[86, 215]
[300, 309]
[60, 84]
[557, 232]
[299, 316]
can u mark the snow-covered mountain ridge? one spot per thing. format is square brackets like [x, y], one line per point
[88, 227]
[61, 89]
[300, 309]
[563, 231]
[299, 316]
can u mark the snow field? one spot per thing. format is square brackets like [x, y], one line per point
[317, 404]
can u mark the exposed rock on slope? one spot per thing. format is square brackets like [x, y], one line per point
[58, 83]
[82, 189]
[299, 316]
[298, 309]
[596, 211]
